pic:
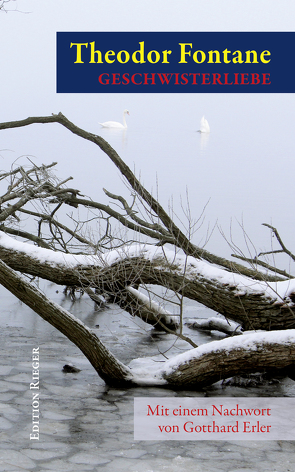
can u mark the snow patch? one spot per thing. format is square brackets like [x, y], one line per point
[277, 292]
[247, 341]
[150, 371]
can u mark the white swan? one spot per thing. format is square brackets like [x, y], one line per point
[116, 124]
[205, 128]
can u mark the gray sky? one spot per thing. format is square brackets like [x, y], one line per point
[28, 39]
[243, 127]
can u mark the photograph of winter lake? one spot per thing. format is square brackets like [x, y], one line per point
[228, 190]
[243, 170]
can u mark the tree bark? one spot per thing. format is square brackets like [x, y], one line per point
[234, 359]
[246, 300]
[195, 370]
[253, 309]
[179, 238]
[112, 371]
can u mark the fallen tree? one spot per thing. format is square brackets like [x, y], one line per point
[195, 368]
[118, 269]
[253, 304]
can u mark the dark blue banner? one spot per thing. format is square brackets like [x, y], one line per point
[181, 62]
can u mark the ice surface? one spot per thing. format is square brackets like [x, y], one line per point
[16, 459]
[58, 428]
[5, 386]
[5, 369]
[5, 424]
[7, 410]
[42, 454]
[86, 426]
[131, 453]
[88, 458]
[56, 416]
[65, 466]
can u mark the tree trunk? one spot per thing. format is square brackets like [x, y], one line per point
[178, 237]
[194, 369]
[252, 299]
[235, 356]
[112, 371]
[252, 305]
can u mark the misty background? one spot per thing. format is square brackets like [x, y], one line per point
[242, 174]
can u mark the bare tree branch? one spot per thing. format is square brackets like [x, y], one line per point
[256, 261]
[250, 299]
[284, 249]
[200, 369]
[179, 238]
[24, 234]
[106, 365]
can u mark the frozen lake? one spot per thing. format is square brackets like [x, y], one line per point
[244, 171]
[241, 172]
[87, 426]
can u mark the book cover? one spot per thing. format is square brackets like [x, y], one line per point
[146, 253]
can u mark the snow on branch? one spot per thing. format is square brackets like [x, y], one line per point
[219, 360]
[176, 236]
[156, 308]
[215, 324]
[162, 259]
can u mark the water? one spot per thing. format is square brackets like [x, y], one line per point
[242, 173]
[87, 426]
[244, 170]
